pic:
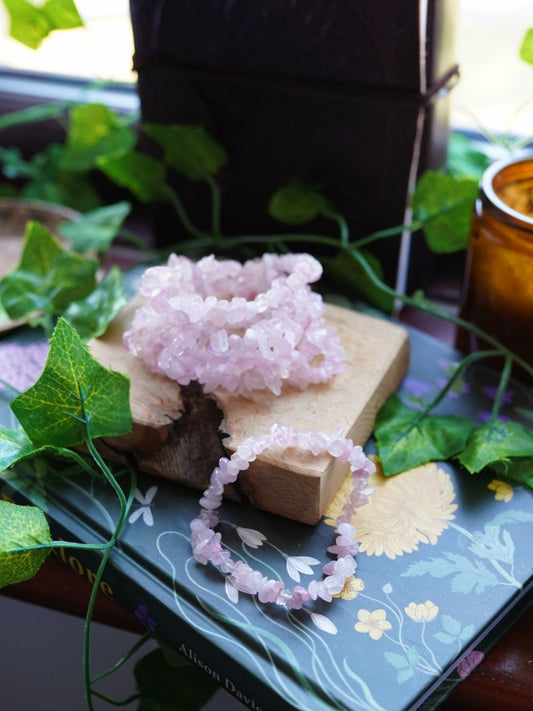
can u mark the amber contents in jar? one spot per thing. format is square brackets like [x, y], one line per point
[498, 288]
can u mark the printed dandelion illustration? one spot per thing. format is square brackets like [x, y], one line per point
[402, 512]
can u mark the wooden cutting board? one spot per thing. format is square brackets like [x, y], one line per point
[178, 431]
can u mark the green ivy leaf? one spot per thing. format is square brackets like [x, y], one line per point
[91, 316]
[62, 14]
[188, 149]
[143, 175]
[94, 131]
[404, 441]
[526, 48]
[445, 204]
[70, 190]
[464, 160]
[47, 278]
[47, 181]
[30, 24]
[96, 229]
[21, 526]
[16, 447]
[297, 203]
[42, 166]
[496, 441]
[75, 397]
[13, 164]
[4, 318]
[27, 23]
[176, 687]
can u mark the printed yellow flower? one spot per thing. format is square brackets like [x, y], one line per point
[503, 490]
[372, 623]
[423, 611]
[352, 587]
[402, 511]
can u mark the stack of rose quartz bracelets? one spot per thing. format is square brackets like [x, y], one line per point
[244, 327]
[237, 326]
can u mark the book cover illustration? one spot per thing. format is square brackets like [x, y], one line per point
[444, 557]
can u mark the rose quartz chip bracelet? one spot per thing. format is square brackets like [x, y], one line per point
[238, 326]
[207, 544]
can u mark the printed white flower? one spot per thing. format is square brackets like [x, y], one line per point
[144, 509]
[252, 538]
[297, 564]
[231, 590]
[323, 623]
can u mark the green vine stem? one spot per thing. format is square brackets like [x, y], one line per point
[184, 217]
[125, 504]
[462, 365]
[134, 239]
[79, 459]
[344, 232]
[215, 203]
[123, 702]
[434, 310]
[61, 544]
[502, 387]
[146, 637]
[107, 548]
[95, 454]
[206, 241]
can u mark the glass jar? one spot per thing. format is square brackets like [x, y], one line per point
[498, 288]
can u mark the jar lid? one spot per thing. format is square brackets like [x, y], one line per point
[501, 175]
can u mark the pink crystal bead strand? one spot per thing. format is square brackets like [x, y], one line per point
[207, 545]
[242, 327]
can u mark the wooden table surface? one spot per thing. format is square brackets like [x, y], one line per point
[503, 679]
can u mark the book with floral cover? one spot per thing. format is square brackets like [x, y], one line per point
[445, 560]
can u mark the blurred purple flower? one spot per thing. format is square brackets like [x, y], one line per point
[469, 663]
[459, 388]
[485, 416]
[417, 387]
[446, 363]
[490, 391]
[141, 613]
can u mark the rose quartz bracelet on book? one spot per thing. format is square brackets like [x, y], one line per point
[238, 326]
[207, 544]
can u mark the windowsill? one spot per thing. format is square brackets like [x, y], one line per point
[33, 86]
